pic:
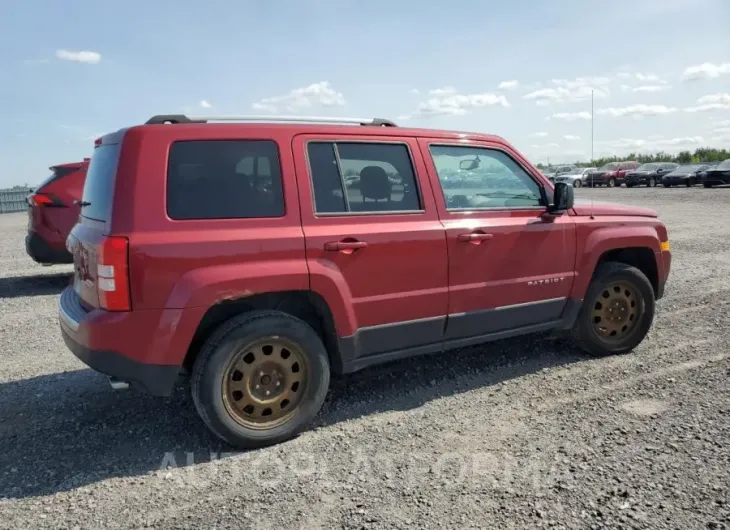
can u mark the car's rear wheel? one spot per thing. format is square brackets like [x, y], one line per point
[617, 312]
[652, 182]
[690, 182]
[707, 184]
[666, 184]
[260, 378]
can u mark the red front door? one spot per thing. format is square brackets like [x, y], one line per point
[510, 266]
[375, 247]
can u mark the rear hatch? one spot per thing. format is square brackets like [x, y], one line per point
[52, 204]
[100, 260]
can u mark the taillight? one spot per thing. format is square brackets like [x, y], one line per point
[112, 274]
[45, 199]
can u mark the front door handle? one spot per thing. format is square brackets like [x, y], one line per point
[337, 246]
[474, 237]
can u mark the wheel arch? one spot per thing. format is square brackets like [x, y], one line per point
[642, 258]
[304, 305]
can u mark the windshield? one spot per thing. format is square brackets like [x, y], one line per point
[647, 167]
[724, 165]
[609, 167]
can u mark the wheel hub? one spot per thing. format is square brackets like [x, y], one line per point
[616, 311]
[264, 383]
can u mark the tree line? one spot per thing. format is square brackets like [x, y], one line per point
[702, 154]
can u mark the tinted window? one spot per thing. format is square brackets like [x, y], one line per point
[493, 180]
[58, 173]
[362, 177]
[724, 165]
[224, 179]
[99, 183]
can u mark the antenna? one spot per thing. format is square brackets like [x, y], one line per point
[592, 183]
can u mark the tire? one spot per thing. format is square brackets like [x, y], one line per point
[216, 361]
[652, 183]
[584, 331]
[666, 184]
[612, 183]
[707, 184]
[691, 182]
[577, 183]
[629, 185]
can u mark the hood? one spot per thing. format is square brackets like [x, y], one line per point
[584, 207]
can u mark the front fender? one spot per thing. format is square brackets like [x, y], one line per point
[601, 239]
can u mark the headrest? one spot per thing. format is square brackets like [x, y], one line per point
[374, 183]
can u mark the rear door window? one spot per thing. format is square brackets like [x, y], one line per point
[99, 185]
[361, 177]
[224, 179]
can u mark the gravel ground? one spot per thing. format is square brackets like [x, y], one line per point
[527, 433]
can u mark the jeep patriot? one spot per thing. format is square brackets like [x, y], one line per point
[261, 255]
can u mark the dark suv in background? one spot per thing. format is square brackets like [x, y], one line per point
[714, 176]
[53, 212]
[649, 174]
[611, 174]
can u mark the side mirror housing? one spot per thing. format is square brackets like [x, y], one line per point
[563, 199]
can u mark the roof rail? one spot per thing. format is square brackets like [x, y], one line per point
[161, 119]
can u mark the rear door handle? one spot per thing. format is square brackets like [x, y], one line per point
[474, 237]
[336, 246]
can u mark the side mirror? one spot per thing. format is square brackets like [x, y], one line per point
[563, 199]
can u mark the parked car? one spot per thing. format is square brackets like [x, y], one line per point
[235, 252]
[611, 174]
[685, 175]
[52, 213]
[577, 177]
[649, 174]
[717, 175]
[557, 171]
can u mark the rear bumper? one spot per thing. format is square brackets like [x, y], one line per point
[144, 348]
[42, 252]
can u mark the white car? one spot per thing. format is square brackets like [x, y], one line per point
[577, 177]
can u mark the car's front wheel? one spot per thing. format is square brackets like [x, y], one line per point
[260, 379]
[612, 183]
[617, 311]
[652, 182]
[690, 182]
[577, 183]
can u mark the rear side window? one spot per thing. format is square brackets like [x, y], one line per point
[360, 177]
[224, 179]
[99, 184]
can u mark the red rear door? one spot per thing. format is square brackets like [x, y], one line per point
[509, 266]
[375, 247]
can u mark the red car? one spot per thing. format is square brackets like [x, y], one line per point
[53, 212]
[262, 257]
[612, 174]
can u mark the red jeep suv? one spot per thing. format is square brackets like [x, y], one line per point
[261, 256]
[53, 212]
